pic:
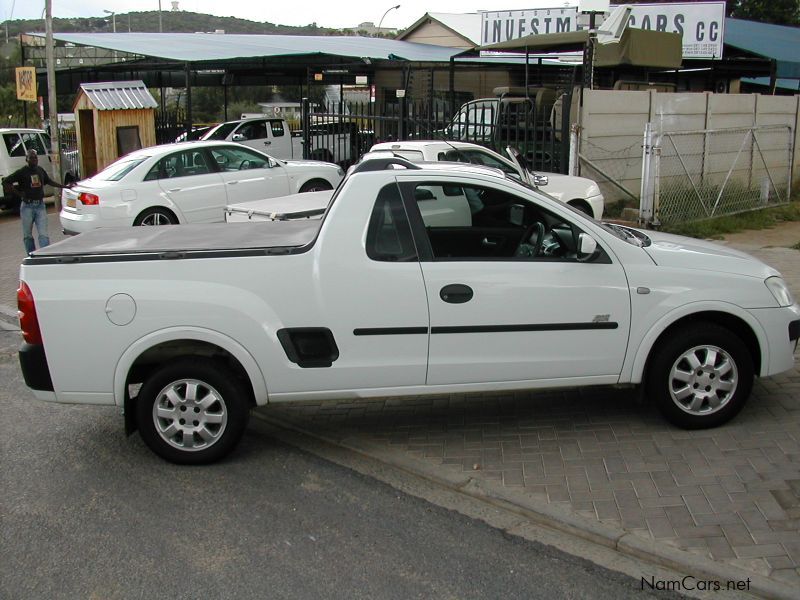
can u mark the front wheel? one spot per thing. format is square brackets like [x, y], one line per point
[701, 377]
[192, 411]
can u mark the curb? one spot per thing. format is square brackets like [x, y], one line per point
[616, 538]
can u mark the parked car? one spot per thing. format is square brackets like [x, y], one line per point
[16, 143]
[331, 141]
[186, 183]
[403, 288]
[197, 132]
[579, 192]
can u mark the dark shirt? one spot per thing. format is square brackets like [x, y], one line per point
[30, 182]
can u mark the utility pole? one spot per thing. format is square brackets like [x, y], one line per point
[55, 142]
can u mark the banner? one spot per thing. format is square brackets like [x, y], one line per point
[700, 23]
[26, 84]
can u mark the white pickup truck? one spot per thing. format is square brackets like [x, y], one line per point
[330, 141]
[402, 288]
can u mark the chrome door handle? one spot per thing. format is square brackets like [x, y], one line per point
[232, 182]
[174, 190]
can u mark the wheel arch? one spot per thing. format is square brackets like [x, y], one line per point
[734, 319]
[170, 209]
[316, 179]
[582, 205]
[154, 348]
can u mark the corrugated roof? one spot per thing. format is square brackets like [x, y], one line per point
[119, 95]
[202, 47]
[777, 42]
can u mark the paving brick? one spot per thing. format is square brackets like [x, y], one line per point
[759, 550]
[719, 548]
[660, 527]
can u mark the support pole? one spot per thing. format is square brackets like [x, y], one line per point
[55, 144]
[188, 100]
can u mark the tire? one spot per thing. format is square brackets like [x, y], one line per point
[701, 377]
[315, 185]
[155, 216]
[207, 391]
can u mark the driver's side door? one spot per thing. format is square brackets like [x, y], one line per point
[502, 315]
[249, 175]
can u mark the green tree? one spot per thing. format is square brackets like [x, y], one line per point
[777, 12]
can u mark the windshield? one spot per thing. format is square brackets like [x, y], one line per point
[117, 170]
[632, 236]
[220, 132]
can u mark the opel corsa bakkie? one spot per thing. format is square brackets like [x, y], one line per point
[419, 278]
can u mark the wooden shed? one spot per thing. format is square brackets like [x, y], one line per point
[111, 120]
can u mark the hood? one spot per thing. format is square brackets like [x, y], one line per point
[669, 250]
[295, 164]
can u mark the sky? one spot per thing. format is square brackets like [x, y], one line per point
[324, 13]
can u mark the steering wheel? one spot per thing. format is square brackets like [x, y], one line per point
[527, 246]
[245, 164]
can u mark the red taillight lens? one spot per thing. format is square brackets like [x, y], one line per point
[28, 322]
[89, 199]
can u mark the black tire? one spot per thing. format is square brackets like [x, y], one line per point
[315, 185]
[155, 216]
[701, 376]
[217, 410]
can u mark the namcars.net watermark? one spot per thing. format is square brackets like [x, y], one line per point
[690, 583]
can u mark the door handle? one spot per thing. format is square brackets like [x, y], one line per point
[232, 182]
[267, 143]
[456, 293]
[488, 242]
[174, 190]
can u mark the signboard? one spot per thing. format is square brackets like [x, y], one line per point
[700, 23]
[26, 84]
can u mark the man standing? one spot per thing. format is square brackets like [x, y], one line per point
[30, 181]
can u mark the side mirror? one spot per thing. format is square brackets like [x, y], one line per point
[540, 180]
[587, 247]
[237, 137]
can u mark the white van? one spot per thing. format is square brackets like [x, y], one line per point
[14, 145]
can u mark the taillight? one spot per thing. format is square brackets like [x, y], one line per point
[28, 322]
[89, 199]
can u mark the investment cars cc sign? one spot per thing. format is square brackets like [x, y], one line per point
[700, 23]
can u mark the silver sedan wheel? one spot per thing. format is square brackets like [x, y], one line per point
[156, 218]
[703, 380]
[190, 415]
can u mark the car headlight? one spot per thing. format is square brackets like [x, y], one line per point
[780, 291]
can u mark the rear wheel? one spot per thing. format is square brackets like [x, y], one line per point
[315, 185]
[155, 216]
[701, 377]
[192, 411]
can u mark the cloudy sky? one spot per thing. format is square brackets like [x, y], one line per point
[284, 12]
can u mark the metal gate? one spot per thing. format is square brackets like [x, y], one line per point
[693, 175]
[342, 131]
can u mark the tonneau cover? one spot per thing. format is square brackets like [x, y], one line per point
[185, 238]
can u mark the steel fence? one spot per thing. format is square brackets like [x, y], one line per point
[692, 175]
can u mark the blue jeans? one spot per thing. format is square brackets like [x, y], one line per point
[34, 212]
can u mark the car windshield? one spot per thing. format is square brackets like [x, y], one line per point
[117, 170]
[220, 132]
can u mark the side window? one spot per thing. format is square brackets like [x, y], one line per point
[468, 222]
[14, 144]
[180, 164]
[255, 130]
[483, 158]
[389, 235]
[277, 128]
[229, 158]
[33, 141]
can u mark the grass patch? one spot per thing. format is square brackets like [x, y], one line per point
[715, 228]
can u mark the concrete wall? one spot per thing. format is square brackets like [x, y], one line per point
[612, 124]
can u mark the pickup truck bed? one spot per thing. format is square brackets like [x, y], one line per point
[128, 243]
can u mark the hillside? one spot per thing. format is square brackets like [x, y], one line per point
[172, 22]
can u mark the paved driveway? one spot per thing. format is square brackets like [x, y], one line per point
[720, 501]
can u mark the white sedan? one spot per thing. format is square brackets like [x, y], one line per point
[186, 183]
[579, 192]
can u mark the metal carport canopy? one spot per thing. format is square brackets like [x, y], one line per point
[208, 47]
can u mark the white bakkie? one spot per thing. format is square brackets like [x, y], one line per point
[418, 279]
